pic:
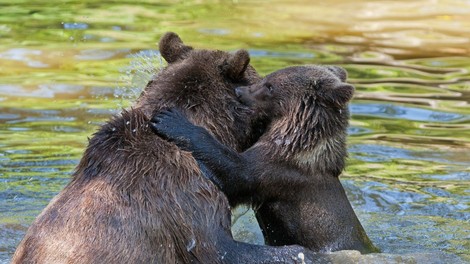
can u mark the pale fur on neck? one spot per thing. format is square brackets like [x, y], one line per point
[312, 141]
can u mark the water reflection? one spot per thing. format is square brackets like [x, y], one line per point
[404, 112]
[74, 25]
[28, 56]
[66, 67]
[98, 54]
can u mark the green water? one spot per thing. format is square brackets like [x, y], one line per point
[66, 66]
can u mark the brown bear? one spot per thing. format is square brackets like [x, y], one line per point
[290, 175]
[136, 198]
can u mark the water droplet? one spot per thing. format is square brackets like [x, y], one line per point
[191, 245]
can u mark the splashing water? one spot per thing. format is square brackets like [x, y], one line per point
[143, 66]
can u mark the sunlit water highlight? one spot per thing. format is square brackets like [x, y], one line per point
[66, 67]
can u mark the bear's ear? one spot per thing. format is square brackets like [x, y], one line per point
[340, 95]
[236, 65]
[340, 72]
[172, 47]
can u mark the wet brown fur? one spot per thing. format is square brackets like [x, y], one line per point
[136, 198]
[290, 174]
[306, 141]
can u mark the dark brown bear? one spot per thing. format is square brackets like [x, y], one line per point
[136, 198]
[291, 174]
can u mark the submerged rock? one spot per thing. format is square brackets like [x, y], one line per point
[355, 257]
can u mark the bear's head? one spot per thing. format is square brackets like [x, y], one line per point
[307, 107]
[288, 88]
[201, 83]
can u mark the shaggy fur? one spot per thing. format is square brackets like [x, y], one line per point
[136, 198]
[291, 174]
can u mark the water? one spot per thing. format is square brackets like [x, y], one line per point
[66, 66]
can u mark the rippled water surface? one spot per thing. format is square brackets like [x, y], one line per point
[66, 66]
